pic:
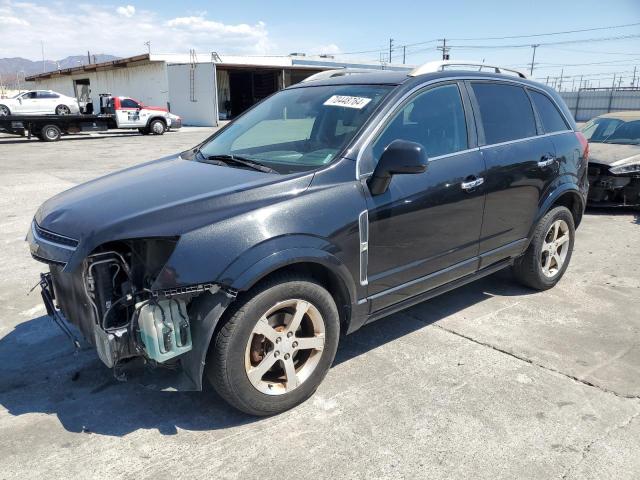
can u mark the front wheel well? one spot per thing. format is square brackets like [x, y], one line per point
[325, 277]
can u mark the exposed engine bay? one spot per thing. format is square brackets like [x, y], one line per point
[111, 302]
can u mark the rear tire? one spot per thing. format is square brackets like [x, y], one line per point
[63, 110]
[50, 133]
[157, 127]
[4, 111]
[549, 253]
[276, 346]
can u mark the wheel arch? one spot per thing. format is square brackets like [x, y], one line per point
[156, 117]
[565, 195]
[321, 266]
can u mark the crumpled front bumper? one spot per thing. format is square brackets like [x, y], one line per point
[609, 190]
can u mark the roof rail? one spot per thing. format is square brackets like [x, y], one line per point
[337, 72]
[442, 65]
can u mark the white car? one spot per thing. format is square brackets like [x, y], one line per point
[39, 102]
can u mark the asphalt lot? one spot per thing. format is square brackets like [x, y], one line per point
[489, 381]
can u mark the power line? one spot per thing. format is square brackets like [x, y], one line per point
[562, 42]
[549, 34]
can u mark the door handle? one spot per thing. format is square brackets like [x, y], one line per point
[546, 161]
[471, 184]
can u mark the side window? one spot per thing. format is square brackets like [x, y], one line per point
[505, 111]
[29, 95]
[551, 118]
[128, 103]
[435, 119]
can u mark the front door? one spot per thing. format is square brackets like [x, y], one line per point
[28, 103]
[128, 114]
[424, 230]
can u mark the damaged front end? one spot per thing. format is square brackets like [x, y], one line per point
[617, 186]
[111, 299]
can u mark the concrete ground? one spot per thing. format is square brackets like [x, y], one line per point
[489, 381]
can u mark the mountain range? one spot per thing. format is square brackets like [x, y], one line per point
[10, 68]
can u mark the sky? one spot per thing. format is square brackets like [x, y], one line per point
[356, 30]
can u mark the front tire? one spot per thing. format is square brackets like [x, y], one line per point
[157, 127]
[4, 111]
[549, 253]
[276, 346]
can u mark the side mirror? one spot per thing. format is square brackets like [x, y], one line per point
[400, 157]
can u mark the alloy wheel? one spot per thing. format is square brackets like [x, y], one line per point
[554, 248]
[4, 111]
[284, 347]
[63, 110]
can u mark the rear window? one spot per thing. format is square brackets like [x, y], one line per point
[505, 111]
[551, 118]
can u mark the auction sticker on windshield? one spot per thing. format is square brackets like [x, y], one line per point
[347, 101]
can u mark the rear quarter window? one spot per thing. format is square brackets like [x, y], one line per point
[505, 112]
[551, 118]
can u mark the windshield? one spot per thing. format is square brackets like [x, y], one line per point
[627, 133]
[298, 129]
[612, 130]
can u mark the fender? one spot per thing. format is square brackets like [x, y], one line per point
[283, 258]
[156, 117]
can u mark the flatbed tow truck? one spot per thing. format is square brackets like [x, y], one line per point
[115, 113]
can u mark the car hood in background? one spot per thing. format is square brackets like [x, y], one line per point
[613, 154]
[166, 197]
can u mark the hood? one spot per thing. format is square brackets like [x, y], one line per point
[149, 107]
[163, 198]
[612, 154]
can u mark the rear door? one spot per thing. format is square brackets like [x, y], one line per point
[520, 164]
[424, 230]
[46, 102]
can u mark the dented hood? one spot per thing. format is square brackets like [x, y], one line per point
[166, 197]
[613, 154]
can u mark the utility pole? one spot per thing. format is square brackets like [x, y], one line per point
[533, 59]
[620, 81]
[444, 49]
[633, 82]
[148, 44]
[560, 83]
[88, 57]
[404, 54]
[390, 48]
[547, 80]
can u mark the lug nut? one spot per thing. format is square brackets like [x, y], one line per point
[278, 340]
[295, 345]
[286, 356]
[276, 353]
[290, 334]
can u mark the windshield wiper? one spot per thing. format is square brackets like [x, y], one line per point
[241, 161]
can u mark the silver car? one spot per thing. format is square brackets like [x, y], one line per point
[614, 159]
[39, 102]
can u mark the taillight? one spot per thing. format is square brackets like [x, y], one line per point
[584, 144]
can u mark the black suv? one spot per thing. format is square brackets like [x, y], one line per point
[331, 204]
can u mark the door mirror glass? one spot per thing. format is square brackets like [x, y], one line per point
[400, 157]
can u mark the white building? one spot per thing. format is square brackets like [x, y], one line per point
[201, 88]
